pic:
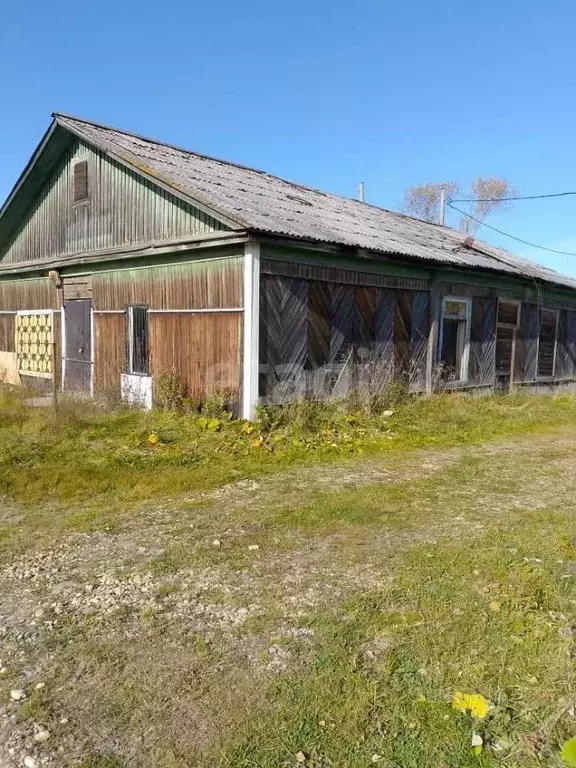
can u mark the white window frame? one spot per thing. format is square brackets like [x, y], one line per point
[557, 313]
[131, 308]
[465, 361]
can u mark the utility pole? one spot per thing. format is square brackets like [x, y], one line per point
[361, 191]
[442, 217]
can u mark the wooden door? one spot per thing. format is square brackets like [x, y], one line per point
[78, 345]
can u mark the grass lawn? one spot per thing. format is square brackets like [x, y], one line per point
[322, 589]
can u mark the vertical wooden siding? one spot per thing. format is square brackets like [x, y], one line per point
[200, 284]
[203, 349]
[110, 344]
[122, 209]
[7, 324]
[29, 293]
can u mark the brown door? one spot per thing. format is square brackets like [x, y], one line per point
[78, 345]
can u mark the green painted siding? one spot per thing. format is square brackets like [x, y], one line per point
[122, 210]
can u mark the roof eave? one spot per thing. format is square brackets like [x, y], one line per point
[29, 167]
[437, 265]
[129, 161]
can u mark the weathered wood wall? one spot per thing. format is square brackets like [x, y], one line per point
[201, 284]
[122, 209]
[325, 329]
[322, 338]
[28, 293]
[204, 349]
[201, 348]
[7, 325]
[110, 351]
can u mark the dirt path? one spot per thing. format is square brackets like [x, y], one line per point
[115, 637]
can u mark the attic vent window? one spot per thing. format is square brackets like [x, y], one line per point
[80, 183]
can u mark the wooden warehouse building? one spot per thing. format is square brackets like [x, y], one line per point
[123, 259]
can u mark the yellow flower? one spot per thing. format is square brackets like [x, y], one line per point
[153, 438]
[257, 442]
[474, 703]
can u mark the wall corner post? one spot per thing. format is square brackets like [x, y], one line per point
[250, 346]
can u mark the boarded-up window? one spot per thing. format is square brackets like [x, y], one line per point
[508, 322]
[80, 181]
[138, 344]
[547, 343]
[504, 350]
[508, 313]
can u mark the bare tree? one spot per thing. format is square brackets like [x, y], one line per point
[423, 201]
[488, 192]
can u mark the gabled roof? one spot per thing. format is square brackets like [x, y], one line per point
[246, 198]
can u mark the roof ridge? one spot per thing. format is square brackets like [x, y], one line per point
[204, 156]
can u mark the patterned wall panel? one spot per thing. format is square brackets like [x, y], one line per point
[342, 322]
[570, 346]
[481, 369]
[402, 334]
[33, 340]
[283, 337]
[419, 340]
[526, 360]
[323, 339]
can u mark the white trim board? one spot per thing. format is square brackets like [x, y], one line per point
[207, 310]
[250, 347]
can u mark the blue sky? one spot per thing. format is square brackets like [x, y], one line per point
[325, 93]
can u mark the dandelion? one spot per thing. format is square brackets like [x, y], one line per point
[153, 438]
[474, 703]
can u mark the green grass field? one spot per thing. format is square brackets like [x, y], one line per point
[316, 589]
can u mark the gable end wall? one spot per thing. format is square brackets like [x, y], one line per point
[123, 209]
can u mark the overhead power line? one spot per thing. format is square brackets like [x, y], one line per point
[506, 199]
[512, 237]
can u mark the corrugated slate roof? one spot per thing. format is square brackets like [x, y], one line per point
[265, 203]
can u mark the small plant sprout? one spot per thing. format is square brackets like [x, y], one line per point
[569, 752]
